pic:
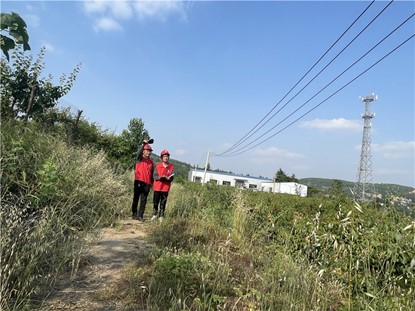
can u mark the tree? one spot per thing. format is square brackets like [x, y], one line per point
[293, 178]
[135, 133]
[127, 143]
[24, 93]
[280, 176]
[336, 189]
[312, 191]
[15, 26]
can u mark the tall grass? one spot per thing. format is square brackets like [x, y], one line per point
[243, 250]
[52, 196]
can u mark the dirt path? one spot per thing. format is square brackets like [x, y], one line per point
[100, 282]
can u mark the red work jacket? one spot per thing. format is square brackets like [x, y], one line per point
[161, 184]
[144, 170]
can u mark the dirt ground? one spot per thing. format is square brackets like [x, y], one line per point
[100, 280]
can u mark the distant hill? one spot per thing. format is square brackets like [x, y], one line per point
[324, 184]
[181, 169]
[321, 184]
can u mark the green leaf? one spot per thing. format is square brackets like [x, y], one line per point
[16, 28]
[8, 19]
[6, 45]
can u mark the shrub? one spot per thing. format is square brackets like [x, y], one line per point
[53, 195]
[266, 250]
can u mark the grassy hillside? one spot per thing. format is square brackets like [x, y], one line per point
[218, 249]
[52, 195]
[324, 184]
[221, 248]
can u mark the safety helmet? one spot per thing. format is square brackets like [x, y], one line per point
[164, 152]
[147, 147]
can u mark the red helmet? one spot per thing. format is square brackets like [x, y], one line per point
[164, 152]
[147, 147]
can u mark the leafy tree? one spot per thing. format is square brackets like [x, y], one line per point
[24, 93]
[120, 149]
[125, 146]
[15, 26]
[280, 176]
[336, 189]
[312, 191]
[135, 134]
[293, 178]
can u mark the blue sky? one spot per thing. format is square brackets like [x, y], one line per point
[202, 74]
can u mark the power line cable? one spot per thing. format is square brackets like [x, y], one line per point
[309, 70]
[306, 113]
[317, 74]
[201, 159]
[69, 104]
[333, 80]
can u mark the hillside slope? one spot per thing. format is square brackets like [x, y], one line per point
[324, 184]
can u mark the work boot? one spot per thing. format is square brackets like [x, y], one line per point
[135, 216]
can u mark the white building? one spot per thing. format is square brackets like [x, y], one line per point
[285, 187]
[247, 182]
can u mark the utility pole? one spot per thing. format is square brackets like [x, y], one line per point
[364, 189]
[206, 165]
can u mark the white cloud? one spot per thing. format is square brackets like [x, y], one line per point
[158, 9]
[116, 11]
[395, 149]
[49, 47]
[106, 24]
[391, 171]
[121, 9]
[333, 124]
[273, 152]
[95, 6]
[179, 152]
[32, 20]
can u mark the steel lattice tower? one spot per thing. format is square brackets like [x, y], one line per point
[364, 189]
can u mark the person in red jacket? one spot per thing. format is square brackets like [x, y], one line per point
[143, 179]
[163, 176]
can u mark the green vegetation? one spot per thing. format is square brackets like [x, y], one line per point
[324, 186]
[61, 178]
[219, 249]
[25, 93]
[227, 249]
[53, 195]
[280, 176]
[13, 31]
[402, 197]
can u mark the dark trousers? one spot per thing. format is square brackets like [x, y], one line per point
[159, 197]
[141, 190]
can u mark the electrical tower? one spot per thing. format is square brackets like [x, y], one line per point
[364, 189]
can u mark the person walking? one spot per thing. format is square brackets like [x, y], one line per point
[143, 179]
[163, 177]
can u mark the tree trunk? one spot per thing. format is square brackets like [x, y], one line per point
[29, 105]
[75, 126]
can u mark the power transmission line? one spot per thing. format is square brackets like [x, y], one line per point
[312, 67]
[338, 76]
[317, 74]
[306, 113]
[246, 138]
